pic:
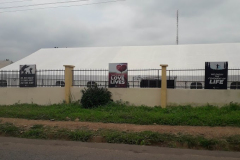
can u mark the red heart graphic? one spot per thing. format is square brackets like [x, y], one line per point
[121, 67]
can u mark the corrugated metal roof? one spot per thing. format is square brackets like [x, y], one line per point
[137, 57]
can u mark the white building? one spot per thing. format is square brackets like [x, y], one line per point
[137, 57]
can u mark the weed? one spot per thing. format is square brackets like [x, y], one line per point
[36, 132]
[37, 126]
[124, 113]
[208, 143]
[234, 139]
[80, 135]
[9, 129]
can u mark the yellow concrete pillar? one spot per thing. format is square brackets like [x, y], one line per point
[164, 86]
[68, 81]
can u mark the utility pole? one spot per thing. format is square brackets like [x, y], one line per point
[177, 29]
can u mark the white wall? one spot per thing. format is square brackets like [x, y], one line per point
[151, 96]
[38, 95]
[202, 96]
[138, 96]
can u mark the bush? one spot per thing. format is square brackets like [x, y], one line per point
[94, 97]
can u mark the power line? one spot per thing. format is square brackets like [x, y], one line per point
[63, 6]
[40, 4]
[14, 1]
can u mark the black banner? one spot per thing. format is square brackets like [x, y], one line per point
[28, 76]
[216, 74]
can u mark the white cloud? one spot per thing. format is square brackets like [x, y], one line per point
[130, 22]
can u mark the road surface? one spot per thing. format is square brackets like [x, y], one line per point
[28, 149]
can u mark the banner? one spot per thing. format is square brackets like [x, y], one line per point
[118, 75]
[27, 76]
[216, 74]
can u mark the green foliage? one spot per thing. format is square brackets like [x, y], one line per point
[208, 143]
[35, 133]
[124, 113]
[80, 135]
[95, 96]
[9, 129]
[234, 140]
[233, 107]
[170, 140]
[37, 126]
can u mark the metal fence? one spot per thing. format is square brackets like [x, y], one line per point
[139, 78]
[151, 78]
[195, 78]
[53, 78]
[187, 78]
[90, 77]
[45, 78]
[9, 78]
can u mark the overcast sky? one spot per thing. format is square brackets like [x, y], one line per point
[122, 23]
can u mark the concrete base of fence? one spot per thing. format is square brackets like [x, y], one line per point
[137, 96]
[151, 96]
[38, 95]
[199, 97]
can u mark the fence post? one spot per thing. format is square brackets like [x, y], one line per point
[164, 86]
[68, 81]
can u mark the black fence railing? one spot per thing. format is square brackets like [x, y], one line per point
[45, 78]
[151, 78]
[195, 78]
[90, 77]
[146, 78]
[50, 78]
[9, 78]
[100, 77]
[234, 78]
[187, 78]
[139, 78]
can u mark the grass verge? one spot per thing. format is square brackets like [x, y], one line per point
[111, 136]
[121, 113]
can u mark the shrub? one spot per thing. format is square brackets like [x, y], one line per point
[94, 97]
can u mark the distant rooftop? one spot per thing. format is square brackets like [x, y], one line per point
[5, 63]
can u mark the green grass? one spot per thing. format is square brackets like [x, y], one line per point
[111, 136]
[228, 115]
